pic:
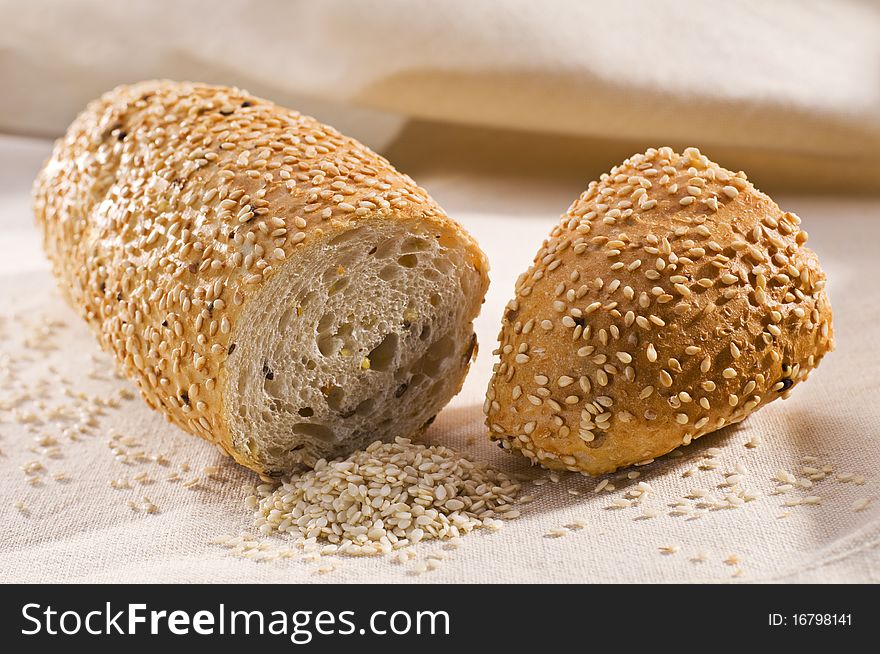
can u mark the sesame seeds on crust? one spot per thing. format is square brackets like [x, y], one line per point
[673, 290]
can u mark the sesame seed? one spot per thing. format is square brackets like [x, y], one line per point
[556, 532]
[861, 504]
[730, 191]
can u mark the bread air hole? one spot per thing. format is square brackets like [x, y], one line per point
[443, 266]
[338, 285]
[431, 363]
[382, 356]
[326, 322]
[365, 407]
[386, 249]
[408, 261]
[330, 344]
[417, 379]
[389, 273]
[347, 237]
[276, 451]
[315, 430]
[415, 244]
[286, 318]
[335, 397]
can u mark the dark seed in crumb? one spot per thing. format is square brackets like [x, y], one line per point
[247, 103]
[164, 323]
[346, 413]
[121, 136]
[786, 384]
[231, 349]
[472, 348]
[400, 390]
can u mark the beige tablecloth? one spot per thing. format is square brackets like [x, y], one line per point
[789, 89]
[71, 524]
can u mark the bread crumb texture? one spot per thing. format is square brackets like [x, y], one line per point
[168, 206]
[673, 298]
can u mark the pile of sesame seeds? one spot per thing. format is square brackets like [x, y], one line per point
[384, 498]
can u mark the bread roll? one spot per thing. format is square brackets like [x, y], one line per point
[673, 299]
[270, 285]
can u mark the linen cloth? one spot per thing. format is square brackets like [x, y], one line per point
[796, 81]
[82, 529]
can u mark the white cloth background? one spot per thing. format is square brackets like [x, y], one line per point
[796, 81]
[534, 104]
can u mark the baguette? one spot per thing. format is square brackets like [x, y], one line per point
[673, 298]
[269, 284]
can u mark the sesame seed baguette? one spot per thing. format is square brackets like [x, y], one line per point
[673, 298]
[271, 285]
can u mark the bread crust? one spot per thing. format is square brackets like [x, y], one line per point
[166, 206]
[673, 298]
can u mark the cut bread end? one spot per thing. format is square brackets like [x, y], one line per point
[363, 335]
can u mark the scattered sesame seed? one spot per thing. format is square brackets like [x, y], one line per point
[861, 504]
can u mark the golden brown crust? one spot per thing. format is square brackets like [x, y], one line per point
[672, 299]
[166, 205]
